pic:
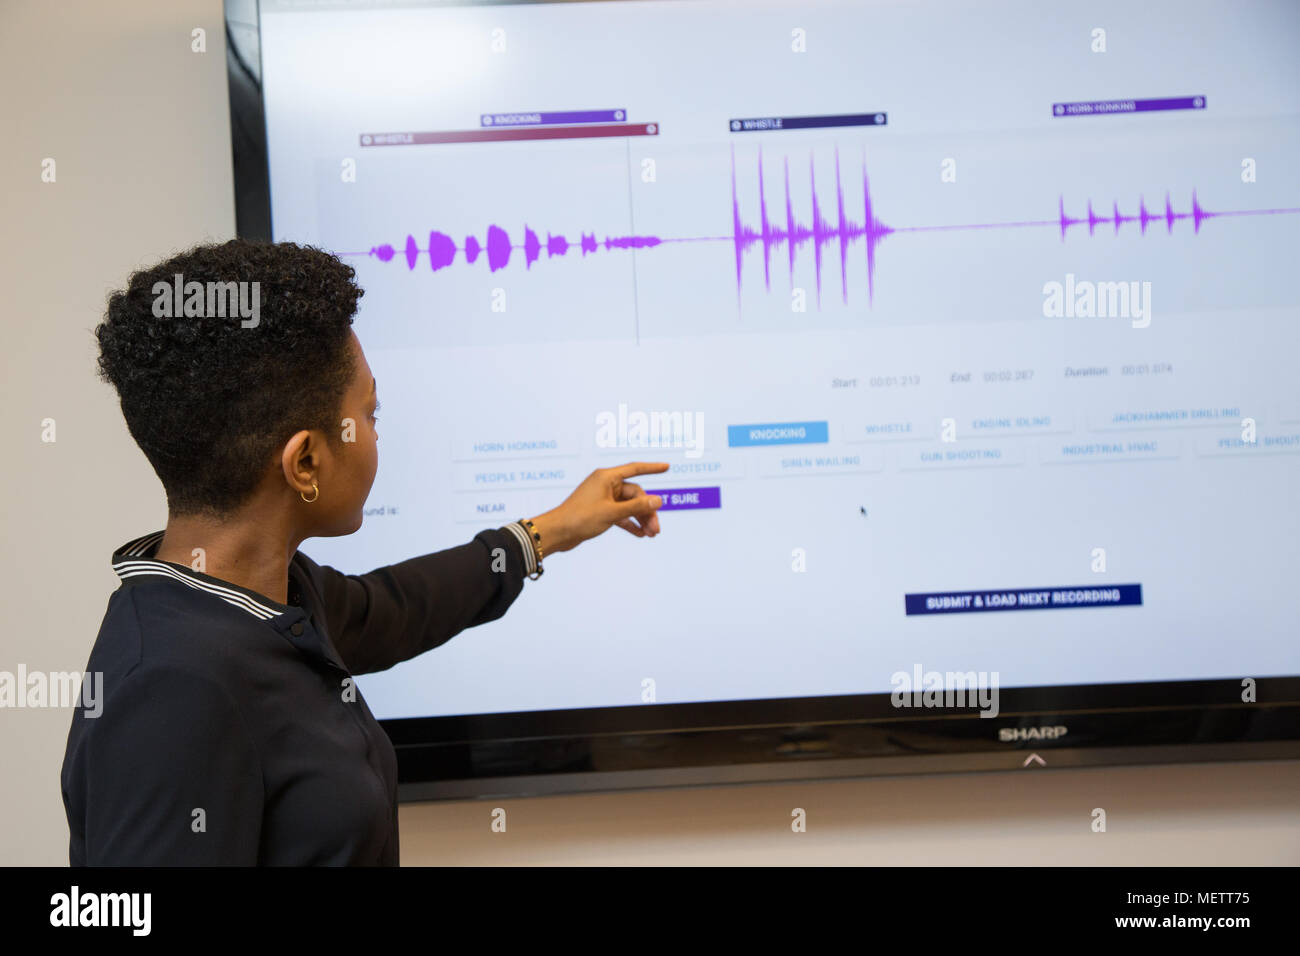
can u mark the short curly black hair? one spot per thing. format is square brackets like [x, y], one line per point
[211, 402]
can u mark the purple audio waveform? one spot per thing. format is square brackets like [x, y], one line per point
[441, 249]
[794, 234]
[843, 229]
[1144, 217]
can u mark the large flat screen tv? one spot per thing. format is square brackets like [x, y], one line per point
[969, 330]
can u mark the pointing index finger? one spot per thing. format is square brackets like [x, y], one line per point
[640, 468]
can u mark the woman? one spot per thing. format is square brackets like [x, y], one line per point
[231, 730]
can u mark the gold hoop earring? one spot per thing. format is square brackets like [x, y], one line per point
[313, 497]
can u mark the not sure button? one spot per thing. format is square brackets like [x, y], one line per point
[680, 499]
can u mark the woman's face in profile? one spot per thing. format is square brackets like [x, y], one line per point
[346, 483]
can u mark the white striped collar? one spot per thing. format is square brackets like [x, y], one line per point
[136, 558]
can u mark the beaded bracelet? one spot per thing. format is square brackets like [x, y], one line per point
[529, 545]
[536, 538]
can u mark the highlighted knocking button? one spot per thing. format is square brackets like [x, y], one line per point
[679, 499]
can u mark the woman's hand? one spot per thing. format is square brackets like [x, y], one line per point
[605, 498]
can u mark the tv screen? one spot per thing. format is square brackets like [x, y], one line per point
[968, 330]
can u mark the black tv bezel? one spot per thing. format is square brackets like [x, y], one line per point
[655, 745]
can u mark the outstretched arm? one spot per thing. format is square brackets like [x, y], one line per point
[397, 612]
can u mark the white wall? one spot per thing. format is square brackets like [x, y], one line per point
[138, 126]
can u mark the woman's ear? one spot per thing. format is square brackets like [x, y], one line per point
[300, 460]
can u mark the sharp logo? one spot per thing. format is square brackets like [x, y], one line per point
[1012, 734]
